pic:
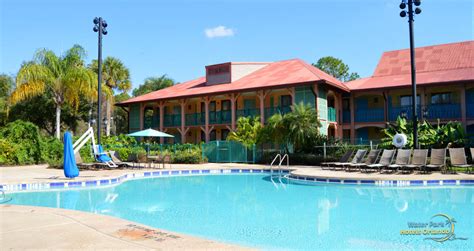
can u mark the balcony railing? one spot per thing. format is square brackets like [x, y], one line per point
[331, 114]
[248, 113]
[346, 116]
[220, 117]
[172, 120]
[430, 112]
[195, 119]
[470, 110]
[270, 111]
[443, 111]
[369, 115]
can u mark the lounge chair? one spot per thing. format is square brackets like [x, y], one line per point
[152, 159]
[458, 158]
[371, 159]
[437, 161]
[385, 160]
[116, 159]
[344, 158]
[103, 157]
[358, 158]
[403, 158]
[420, 156]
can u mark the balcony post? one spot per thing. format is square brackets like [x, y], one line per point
[338, 107]
[161, 107]
[142, 116]
[386, 116]
[352, 119]
[206, 101]
[463, 107]
[291, 91]
[316, 93]
[183, 130]
[261, 96]
[422, 102]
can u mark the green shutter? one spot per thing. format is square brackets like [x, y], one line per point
[134, 119]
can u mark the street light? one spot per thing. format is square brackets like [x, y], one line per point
[99, 27]
[410, 14]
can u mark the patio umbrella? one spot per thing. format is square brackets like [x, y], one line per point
[150, 133]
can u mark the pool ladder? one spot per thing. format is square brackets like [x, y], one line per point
[279, 158]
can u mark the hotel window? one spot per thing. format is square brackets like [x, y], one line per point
[441, 98]
[225, 105]
[406, 100]
[285, 100]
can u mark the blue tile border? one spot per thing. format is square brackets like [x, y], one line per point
[149, 174]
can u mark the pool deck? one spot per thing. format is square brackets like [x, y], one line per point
[25, 227]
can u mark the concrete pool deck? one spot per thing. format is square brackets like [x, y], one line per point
[26, 227]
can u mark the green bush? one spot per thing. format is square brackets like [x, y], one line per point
[26, 138]
[52, 151]
[187, 157]
[8, 152]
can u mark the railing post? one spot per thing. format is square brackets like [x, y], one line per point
[324, 150]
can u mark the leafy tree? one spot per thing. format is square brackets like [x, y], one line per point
[247, 131]
[299, 128]
[116, 77]
[153, 84]
[63, 77]
[6, 86]
[336, 68]
[121, 116]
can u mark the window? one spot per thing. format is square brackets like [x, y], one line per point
[225, 105]
[218, 70]
[285, 100]
[441, 98]
[406, 100]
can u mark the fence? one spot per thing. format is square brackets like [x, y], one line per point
[228, 152]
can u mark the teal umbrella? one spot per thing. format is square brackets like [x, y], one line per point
[150, 133]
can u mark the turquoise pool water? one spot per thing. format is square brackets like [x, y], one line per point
[251, 210]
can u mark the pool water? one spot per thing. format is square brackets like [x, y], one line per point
[251, 210]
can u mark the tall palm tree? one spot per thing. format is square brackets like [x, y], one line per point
[116, 77]
[64, 77]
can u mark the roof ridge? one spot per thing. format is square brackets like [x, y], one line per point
[310, 68]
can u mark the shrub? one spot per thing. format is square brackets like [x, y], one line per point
[52, 151]
[7, 152]
[186, 157]
[27, 138]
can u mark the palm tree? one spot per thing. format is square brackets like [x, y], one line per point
[116, 77]
[64, 77]
[247, 131]
[299, 128]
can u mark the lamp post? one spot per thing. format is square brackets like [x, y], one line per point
[411, 13]
[99, 27]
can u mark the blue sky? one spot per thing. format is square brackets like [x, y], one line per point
[169, 37]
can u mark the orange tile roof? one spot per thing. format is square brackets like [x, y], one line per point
[434, 64]
[281, 74]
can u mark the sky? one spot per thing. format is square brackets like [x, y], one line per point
[180, 37]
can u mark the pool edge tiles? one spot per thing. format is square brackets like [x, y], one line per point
[380, 183]
[112, 181]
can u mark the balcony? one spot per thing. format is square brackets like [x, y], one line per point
[369, 115]
[332, 114]
[470, 110]
[220, 117]
[395, 112]
[195, 119]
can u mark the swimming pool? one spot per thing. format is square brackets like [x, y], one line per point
[250, 210]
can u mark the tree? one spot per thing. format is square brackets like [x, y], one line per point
[153, 84]
[121, 116]
[299, 128]
[247, 131]
[64, 78]
[6, 86]
[336, 68]
[116, 77]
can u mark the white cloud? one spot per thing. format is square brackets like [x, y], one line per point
[219, 31]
